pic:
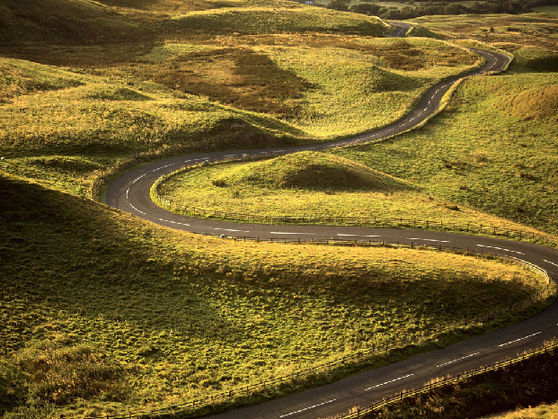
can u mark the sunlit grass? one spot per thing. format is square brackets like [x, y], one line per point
[169, 316]
[312, 186]
[493, 149]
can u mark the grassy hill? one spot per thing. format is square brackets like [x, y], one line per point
[311, 185]
[145, 316]
[73, 113]
[492, 149]
[66, 22]
[307, 170]
[101, 311]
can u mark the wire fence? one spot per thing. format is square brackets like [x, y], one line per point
[372, 221]
[191, 407]
[369, 411]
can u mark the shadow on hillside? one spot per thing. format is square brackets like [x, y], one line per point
[61, 254]
[238, 77]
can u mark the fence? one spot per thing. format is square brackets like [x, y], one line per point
[362, 412]
[394, 222]
[227, 397]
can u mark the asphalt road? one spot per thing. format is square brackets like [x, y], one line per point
[130, 193]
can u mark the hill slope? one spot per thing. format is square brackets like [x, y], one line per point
[309, 170]
[65, 22]
[167, 316]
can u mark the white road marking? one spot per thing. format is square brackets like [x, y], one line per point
[140, 211]
[517, 340]
[176, 222]
[428, 240]
[229, 229]
[187, 161]
[173, 222]
[160, 168]
[287, 232]
[230, 155]
[307, 408]
[388, 382]
[358, 235]
[453, 361]
[552, 263]
[278, 151]
[128, 193]
[500, 248]
[138, 178]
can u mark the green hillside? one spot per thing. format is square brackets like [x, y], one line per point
[307, 170]
[103, 312]
[65, 22]
[142, 316]
[493, 149]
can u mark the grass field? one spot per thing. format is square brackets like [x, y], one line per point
[72, 110]
[313, 185]
[492, 149]
[148, 317]
[101, 311]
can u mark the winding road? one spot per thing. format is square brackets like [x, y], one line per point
[130, 193]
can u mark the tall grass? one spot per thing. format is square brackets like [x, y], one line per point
[169, 316]
[312, 186]
[492, 149]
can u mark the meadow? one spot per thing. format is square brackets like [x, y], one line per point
[72, 113]
[492, 149]
[142, 316]
[315, 186]
[101, 311]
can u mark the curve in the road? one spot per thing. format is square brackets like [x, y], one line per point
[130, 193]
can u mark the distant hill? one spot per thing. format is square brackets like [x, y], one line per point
[64, 22]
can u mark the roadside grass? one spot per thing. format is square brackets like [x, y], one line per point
[492, 149]
[311, 185]
[159, 317]
[527, 383]
[547, 411]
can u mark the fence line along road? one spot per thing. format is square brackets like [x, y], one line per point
[362, 412]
